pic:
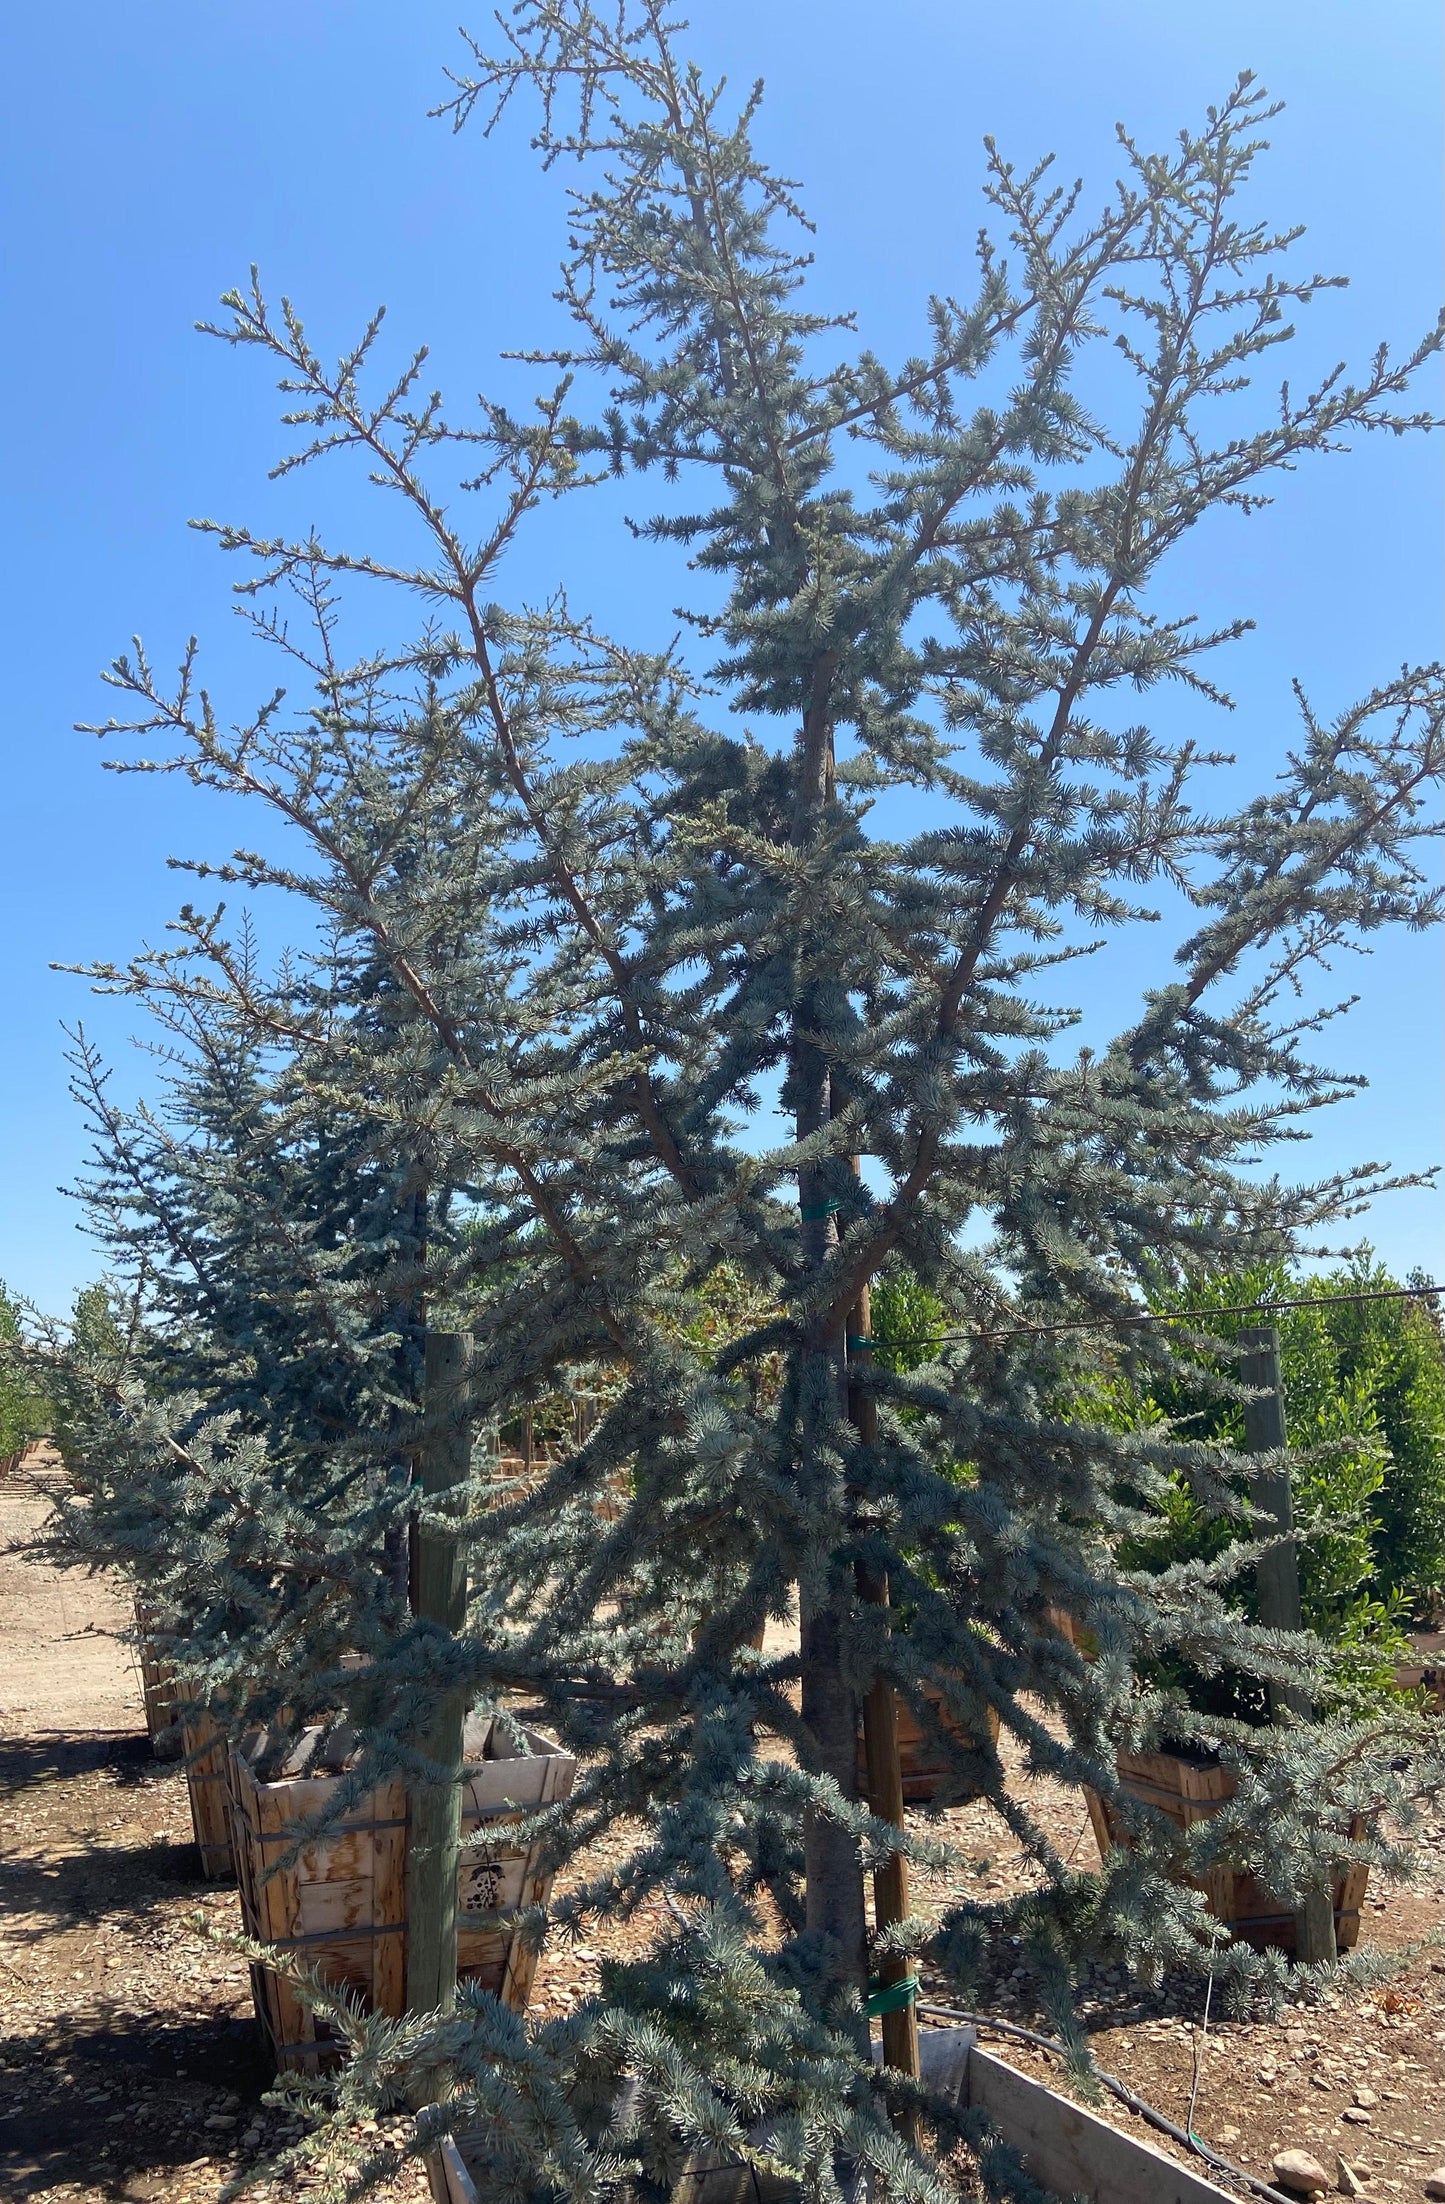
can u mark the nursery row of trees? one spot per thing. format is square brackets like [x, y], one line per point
[26, 1410]
[682, 1023]
[1362, 1363]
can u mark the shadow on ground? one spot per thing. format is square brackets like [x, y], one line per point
[116, 1877]
[117, 1882]
[48, 1755]
[121, 2100]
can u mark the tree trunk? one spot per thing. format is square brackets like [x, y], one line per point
[833, 1902]
[834, 1905]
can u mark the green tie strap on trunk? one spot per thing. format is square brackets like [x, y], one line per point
[891, 1997]
[858, 1343]
[816, 1211]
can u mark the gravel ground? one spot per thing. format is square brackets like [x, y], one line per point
[128, 2064]
[128, 2058]
[1359, 2077]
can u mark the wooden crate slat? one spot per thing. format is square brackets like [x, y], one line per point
[207, 1784]
[1178, 1777]
[447, 2175]
[491, 1884]
[519, 1966]
[388, 1865]
[278, 1915]
[1071, 2150]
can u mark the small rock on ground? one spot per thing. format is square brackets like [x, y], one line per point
[1297, 2170]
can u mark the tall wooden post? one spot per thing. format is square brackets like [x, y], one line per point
[440, 1596]
[835, 1909]
[1277, 1579]
[880, 1744]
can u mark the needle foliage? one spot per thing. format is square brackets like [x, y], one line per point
[630, 971]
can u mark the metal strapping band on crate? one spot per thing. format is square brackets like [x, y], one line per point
[1247, 1921]
[495, 1918]
[360, 1932]
[364, 1828]
[324, 1836]
[1145, 1793]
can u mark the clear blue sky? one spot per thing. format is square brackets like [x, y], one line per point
[152, 152]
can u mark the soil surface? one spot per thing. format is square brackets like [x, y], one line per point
[129, 2066]
[1359, 2077]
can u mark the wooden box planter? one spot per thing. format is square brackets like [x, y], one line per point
[204, 1746]
[531, 1470]
[920, 1758]
[1425, 1669]
[1189, 1789]
[1076, 1633]
[341, 1904]
[1065, 2147]
[179, 1727]
[158, 1689]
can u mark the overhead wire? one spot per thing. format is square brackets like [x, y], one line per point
[1170, 1316]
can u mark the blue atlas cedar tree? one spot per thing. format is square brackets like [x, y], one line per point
[571, 931]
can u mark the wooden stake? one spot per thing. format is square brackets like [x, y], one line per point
[835, 1909]
[440, 1597]
[880, 1746]
[1277, 1579]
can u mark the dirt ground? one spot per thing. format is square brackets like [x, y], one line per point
[128, 2062]
[1359, 2078]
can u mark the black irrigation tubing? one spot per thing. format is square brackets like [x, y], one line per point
[1122, 2091]
[1173, 1316]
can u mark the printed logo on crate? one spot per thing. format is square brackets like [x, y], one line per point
[491, 1885]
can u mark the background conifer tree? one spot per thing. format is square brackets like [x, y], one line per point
[24, 1411]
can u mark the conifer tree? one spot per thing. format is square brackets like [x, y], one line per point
[24, 1412]
[614, 922]
[267, 1376]
[1393, 1350]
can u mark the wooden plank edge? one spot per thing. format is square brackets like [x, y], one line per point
[1065, 2147]
[1074, 2151]
[450, 2182]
